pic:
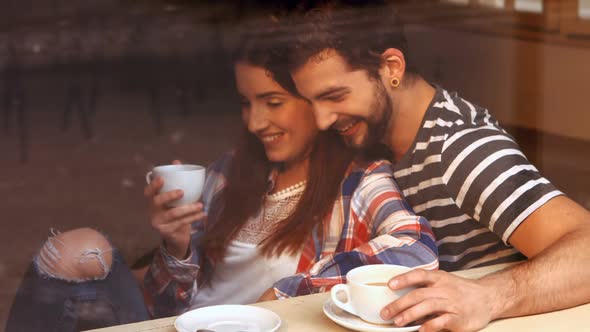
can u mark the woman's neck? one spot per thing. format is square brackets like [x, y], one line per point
[290, 175]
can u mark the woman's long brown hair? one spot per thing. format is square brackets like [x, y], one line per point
[247, 181]
[247, 184]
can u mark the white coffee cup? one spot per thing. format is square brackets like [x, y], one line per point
[365, 299]
[188, 178]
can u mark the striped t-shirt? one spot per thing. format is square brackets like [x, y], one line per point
[468, 177]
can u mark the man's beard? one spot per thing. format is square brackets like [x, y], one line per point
[380, 112]
[382, 108]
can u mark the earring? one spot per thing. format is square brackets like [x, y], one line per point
[395, 82]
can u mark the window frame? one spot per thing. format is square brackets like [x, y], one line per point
[560, 18]
[548, 20]
[572, 24]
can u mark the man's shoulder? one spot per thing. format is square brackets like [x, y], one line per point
[366, 167]
[452, 112]
[456, 117]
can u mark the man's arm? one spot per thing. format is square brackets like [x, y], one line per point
[556, 238]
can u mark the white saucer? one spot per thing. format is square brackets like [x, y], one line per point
[228, 318]
[352, 322]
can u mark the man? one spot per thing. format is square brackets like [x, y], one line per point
[456, 166]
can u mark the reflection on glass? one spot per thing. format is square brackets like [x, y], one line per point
[492, 3]
[460, 2]
[584, 9]
[531, 6]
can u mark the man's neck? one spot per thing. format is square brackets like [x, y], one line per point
[410, 105]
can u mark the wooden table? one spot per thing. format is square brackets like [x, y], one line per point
[305, 313]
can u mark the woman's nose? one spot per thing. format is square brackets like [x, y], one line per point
[257, 120]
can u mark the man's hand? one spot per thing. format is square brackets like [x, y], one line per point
[268, 295]
[457, 304]
[173, 224]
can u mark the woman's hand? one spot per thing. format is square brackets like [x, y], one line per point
[173, 223]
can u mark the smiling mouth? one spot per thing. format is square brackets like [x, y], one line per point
[346, 129]
[270, 138]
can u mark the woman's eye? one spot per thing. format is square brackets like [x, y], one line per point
[274, 102]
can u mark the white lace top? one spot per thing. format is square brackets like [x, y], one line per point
[245, 274]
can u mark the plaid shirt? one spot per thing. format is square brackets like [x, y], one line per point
[370, 223]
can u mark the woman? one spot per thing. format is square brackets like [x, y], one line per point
[288, 213]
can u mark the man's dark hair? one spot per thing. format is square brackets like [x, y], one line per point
[358, 33]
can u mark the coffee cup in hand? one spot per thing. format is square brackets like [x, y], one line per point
[188, 178]
[367, 292]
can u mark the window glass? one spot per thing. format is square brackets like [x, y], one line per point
[584, 9]
[492, 3]
[460, 2]
[531, 6]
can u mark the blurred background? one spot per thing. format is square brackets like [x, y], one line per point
[94, 93]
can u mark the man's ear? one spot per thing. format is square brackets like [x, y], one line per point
[395, 62]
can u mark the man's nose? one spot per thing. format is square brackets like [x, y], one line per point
[324, 118]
